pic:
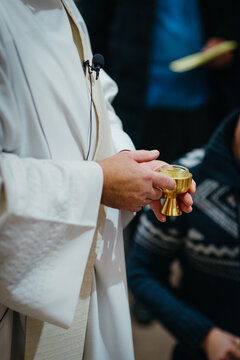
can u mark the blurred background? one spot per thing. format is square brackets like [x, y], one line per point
[151, 341]
[178, 113]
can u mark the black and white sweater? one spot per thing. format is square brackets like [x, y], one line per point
[207, 246]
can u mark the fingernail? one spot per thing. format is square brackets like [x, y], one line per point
[155, 152]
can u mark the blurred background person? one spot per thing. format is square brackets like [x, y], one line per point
[170, 111]
[161, 109]
[201, 309]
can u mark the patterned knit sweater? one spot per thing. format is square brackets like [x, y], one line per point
[206, 244]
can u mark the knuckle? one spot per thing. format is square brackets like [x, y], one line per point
[146, 191]
[157, 195]
[164, 181]
[147, 177]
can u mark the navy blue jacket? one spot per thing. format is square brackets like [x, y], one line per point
[207, 245]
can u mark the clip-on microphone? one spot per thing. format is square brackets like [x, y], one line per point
[97, 64]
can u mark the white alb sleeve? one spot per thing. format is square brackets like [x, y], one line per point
[48, 216]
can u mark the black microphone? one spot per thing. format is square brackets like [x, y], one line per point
[97, 64]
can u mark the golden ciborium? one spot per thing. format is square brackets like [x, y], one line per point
[183, 179]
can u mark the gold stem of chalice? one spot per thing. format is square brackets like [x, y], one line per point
[183, 179]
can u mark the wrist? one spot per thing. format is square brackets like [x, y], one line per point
[205, 344]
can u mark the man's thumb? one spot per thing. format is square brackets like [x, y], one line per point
[144, 155]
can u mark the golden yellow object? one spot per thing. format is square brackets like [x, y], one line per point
[198, 59]
[183, 179]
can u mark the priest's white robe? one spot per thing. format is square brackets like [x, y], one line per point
[50, 196]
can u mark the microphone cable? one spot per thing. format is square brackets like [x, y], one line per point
[97, 65]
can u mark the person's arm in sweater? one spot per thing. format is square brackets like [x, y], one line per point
[156, 246]
[148, 270]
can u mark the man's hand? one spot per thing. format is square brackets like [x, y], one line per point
[131, 182]
[221, 345]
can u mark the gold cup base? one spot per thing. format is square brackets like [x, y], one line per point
[171, 207]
